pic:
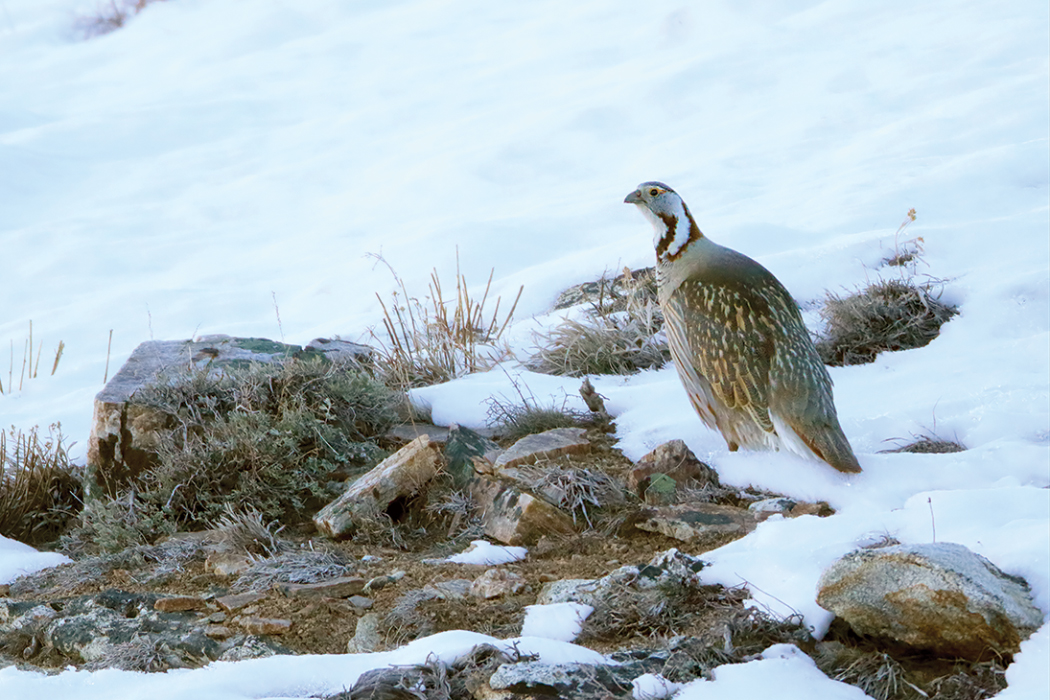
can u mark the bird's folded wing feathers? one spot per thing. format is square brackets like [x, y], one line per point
[727, 347]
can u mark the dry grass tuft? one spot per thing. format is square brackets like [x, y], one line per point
[876, 673]
[887, 315]
[111, 16]
[30, 368]
[515, 420]
[39, 491]
[928, 444]
[293, 566]
[434, 340]
[576, 489]
[244, 532]
[619, 335]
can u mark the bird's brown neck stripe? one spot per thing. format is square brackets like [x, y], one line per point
[671, 226]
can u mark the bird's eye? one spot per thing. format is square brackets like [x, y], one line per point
[653, 192]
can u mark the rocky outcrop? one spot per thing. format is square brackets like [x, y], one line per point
[134, 631]
[124, 434]
[937, 597]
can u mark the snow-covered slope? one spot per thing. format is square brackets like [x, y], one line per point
[216, 162]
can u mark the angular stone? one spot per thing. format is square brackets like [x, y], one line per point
[383, 581]
[463, 446]
[179, 603]
[342, 352]
[218, 632]
[546, 445]
[938, 597]
[265, 625]
[366, 636]
[514, 517]
[789, 508]
[496, 583]
[361, 602]
[676, 460]
[124, 435]
[226, 564]
[456, 589]
[342, 587]
[401, 475]
[233, 603]
[701, 524]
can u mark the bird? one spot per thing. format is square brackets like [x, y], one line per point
[738, 341]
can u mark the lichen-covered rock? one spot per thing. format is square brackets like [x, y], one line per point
[702, 524]
[673, 459]
[939, 597]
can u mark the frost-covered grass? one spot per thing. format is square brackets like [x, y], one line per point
[180, 175]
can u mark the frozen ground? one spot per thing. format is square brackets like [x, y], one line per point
[216, 162]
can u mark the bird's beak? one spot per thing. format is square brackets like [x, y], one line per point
[633, 198]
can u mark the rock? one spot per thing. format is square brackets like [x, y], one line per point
[360, 602]
[514, 517]
[938, 597]
[660, 490]
[572, 680]
[383, 581]
[218, 632]
[179, 603]
[251, 648]
[673, 459]
[701, 524]
[789, 508]
[233, 603]
[398, 477]
[124, 435]
[112, 628]
[227, 564]
[366, 636]
[343, 352]
[456, 589]
[545, 445]
[463, 446]
[265, 625]
[342, 587]
[670, 567]
[496, 583]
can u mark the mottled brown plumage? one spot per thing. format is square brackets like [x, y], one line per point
[738, 340]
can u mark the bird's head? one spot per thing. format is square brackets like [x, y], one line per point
[673, 225]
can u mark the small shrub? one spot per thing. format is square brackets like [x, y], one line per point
[577, 489]
[619, 335]
[887, 315]
[432, 341]
[39, 490]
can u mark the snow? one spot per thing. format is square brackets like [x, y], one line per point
[225, 166]
[561, 621]
[17, 559]
[483, 552]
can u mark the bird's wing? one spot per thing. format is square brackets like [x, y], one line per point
[726, 343]
[801, 394]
